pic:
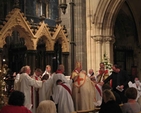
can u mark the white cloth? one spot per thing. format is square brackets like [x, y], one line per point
[98, 95]
[130, 84]
[83, 92]
[25, 83]
[89, 74]
[57, 76]
[48, 87]
[63, 98]
[35, 93]
[16, 85]
[45, 92]
[36, 77]
[46, 72]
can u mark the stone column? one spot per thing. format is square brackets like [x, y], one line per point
[31, 59]
[80, 32]
[107, 46]
[98, 51]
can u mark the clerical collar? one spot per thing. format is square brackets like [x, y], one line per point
[59, 71]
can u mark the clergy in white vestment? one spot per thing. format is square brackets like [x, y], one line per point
[59, 75]
[91, 73]
[25, 83]
[35, 91]
[49, 85]
[83, 92]
[76, 71]
[137, 85]
[16, 81]
[45, 92]
[62, 96]
[47, 71]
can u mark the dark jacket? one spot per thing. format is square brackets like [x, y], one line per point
[110, 107]
[120, 78]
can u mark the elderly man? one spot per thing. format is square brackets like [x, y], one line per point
[25, 83]
[91, 73]
[76, 71]
[83, 92]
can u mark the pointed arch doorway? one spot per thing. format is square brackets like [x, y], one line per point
[115, 33]
[14, 52]
[125, 31]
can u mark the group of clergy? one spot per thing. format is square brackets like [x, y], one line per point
[80, 92]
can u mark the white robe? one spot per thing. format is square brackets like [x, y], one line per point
[46, 72]
[35, 93]
[57, 76]
[25, 83]
[45, 92]
[130, 84]
[83, 92]
[63, 98]
[98, 95]
[16, 82]
[48, 87]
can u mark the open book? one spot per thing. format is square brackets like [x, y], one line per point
[119, 89]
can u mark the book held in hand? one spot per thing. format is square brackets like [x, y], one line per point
[119, 89]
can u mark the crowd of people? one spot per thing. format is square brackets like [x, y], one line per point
[46, 92]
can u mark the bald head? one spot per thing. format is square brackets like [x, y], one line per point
[91, 71]
[26, 69]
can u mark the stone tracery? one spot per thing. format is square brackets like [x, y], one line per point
[16, 21]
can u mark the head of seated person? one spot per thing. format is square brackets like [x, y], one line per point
[108, 96]
[46, 106]
[16, 98]
[131, 93]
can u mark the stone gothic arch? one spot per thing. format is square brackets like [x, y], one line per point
[60, 34]
[103, 32]
[43, 31]
[32, 32]
[15, 20]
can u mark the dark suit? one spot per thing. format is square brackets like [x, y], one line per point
[110, 107]
[120, 78]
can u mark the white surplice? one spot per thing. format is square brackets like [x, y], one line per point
[16, 82]
[49, 85]
[60, 76]
[25, 83]
[63, 98]
[45, 92]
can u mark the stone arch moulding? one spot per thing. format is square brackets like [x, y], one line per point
[15, 20]
[103, 24]
[105, 16]
[61, 35]
[43, 31]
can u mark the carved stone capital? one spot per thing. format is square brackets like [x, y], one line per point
[109, 39]
[98, 39]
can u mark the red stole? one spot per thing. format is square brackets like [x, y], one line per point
[59, 71]
[37, 94]
[66, 87]
[98, 89]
